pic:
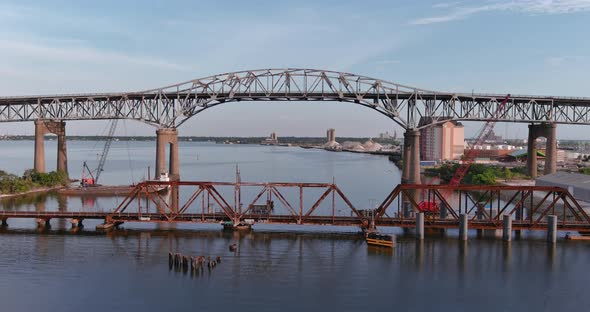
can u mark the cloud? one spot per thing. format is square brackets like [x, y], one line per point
[524, 6]
[387, 62]
[74, 53]
[457, 14]
[555, 60]
[565, 60]
[445, 5]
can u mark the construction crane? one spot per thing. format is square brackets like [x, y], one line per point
[91, 179]
[468, 159]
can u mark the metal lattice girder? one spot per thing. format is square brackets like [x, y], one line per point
[172, 105]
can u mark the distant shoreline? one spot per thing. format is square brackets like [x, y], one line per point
[224, 139]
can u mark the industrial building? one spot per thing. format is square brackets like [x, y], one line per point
[332, 145]
[271, 140]
[576, 183]
[444, 141]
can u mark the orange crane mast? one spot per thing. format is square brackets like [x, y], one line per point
[468, 159]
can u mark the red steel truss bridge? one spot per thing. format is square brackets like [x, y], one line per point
[171, 106]
[291, 203]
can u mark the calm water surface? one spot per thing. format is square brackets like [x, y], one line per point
[275, 267]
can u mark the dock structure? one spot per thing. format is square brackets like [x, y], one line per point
[507, 208]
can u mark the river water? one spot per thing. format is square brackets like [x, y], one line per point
[294, 268]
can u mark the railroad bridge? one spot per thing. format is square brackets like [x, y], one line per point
[169, 107]
[473, 207]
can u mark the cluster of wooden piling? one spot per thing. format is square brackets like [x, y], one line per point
[196, 264]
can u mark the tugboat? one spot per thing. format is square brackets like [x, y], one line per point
[382, 240]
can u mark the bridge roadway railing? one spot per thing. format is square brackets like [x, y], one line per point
[286, 203]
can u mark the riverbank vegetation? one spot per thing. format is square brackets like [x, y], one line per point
[30, 180]
[478, 174]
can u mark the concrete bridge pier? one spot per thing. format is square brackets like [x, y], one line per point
[463, 227]
[4, 222]
[43, 223]
[420, 225]
[547, 130]
[77, 223]
[167, 137]
[42, 127]
[507, 228]
[552, 229]
[411, 160]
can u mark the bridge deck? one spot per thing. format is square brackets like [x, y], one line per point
[171, 106]
[286, 219]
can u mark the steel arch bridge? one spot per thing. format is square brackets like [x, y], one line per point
[171, 106]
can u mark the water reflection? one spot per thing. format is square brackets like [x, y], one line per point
[445, 267]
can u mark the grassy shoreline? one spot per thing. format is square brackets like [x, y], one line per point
[478, 174]
[31, 181]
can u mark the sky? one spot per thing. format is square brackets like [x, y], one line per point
[536, 47]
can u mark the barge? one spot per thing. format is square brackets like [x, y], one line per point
[382, 240]
[104, 190]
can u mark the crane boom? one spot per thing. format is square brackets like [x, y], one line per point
[105, 150]
[468, 159]
[472, 153]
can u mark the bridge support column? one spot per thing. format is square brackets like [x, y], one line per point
[518, 216]
[43, 223]
[463, 227]
[4, 222]
[443, 211]
[62, 153]
[42, 127]
[507, 228]
[411, 162]
[167, 137]
[480, 216]
[40, 131]
[547, 130]
[411, 157]
[77, 223]
[420, 225]
[552, 229]
[551, 148]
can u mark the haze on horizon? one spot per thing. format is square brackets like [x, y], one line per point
[499, 46]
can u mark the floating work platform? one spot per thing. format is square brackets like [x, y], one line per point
[578, 237]
[229, 225]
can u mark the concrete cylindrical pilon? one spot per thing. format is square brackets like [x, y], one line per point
[420, 225]
[62, 153]
[164, 137]
[547, 130]
[40, 131]
[411, 163]
[551, 148]
[552, 229]
[507, 228]
[42, 127]
[463, 227]
[531, 162]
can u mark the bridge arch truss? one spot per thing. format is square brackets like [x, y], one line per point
[173, 105]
